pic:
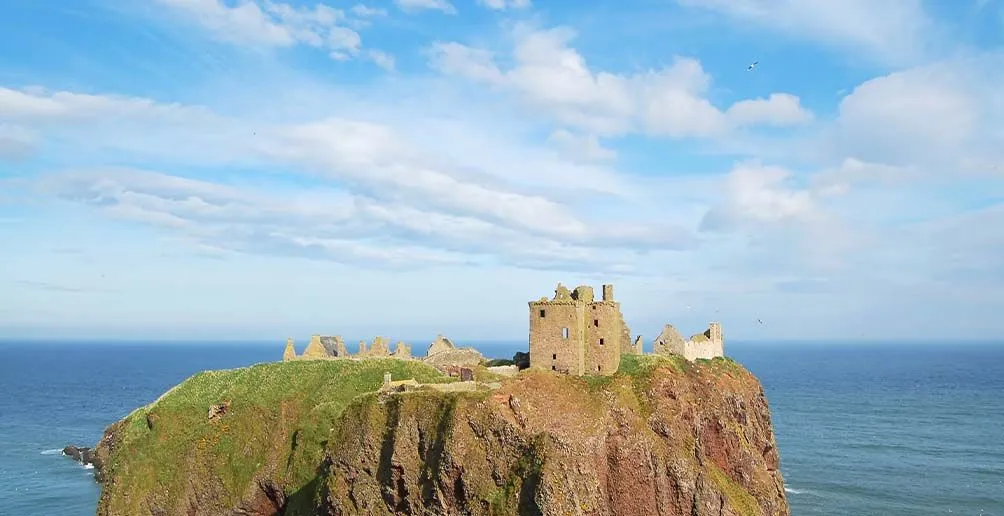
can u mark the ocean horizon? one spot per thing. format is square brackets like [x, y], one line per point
[892, 427]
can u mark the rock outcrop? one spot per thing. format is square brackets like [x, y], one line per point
[85, 456]
[663, 436]
[521, 359]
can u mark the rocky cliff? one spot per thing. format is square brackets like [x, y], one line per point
[661, 437]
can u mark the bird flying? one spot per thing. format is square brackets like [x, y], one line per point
[752, 66]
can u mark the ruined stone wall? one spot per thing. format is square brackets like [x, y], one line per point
[290, 352]
[709, 344]
[669, 341]
[557, 333]
[702, 349]
[315, 349]
[604, 336]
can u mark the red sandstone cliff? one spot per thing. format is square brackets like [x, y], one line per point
[662, 437]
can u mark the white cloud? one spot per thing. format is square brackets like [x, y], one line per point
[755, 193]
[16, 142]
[382, 59]
[501, 5]
[264, 24]
[456, 59]
[580, 147]
[430, 196]
[854, 172]
[781, 109]
[893, 32]
[365, 11]
[552, 77]
[945, 114]
[418, 5]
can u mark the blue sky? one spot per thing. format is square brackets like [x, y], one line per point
[260, 168]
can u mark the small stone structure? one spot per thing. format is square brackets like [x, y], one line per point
[465, 385]
[315, 349]
[709, 344]
[402, 350]
[505, 370]
[325, 347]
[290, 352]
[443, 351]
[440, 345]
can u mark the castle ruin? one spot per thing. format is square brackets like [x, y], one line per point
[707, 345]
[571, 333]
[574, 333]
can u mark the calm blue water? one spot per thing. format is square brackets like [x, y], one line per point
[877, 430]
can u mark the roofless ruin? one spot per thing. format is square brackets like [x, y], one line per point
[575, 333]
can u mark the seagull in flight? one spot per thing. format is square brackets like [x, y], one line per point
[752, 66]
[759, 321]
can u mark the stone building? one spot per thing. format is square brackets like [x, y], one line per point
[709, 344]
[576, 334]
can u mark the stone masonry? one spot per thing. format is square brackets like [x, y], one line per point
[576, 334]
[709, 344]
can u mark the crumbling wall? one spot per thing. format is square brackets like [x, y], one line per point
[709, 344]
[669, 341]
[379, 348]
[315, 349]
[402, 350]
[440, 345]
[290, 352]
[335, 346]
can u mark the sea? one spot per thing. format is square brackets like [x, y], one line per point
[863, 429]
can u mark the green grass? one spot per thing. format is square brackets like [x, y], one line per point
[280, 417]
[738, 497]
[645, 365]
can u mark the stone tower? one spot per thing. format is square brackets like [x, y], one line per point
[576, 334]
[716, 337]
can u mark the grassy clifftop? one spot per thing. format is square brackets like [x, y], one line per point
[313, 437]
[278, 420]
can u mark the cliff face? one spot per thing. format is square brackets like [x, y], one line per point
[662, 437]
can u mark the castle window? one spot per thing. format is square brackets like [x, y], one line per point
[554, 368]
[596, 322]
[542, 314]
[564, 333]
[601, 341]
[598, 368]
[554, 356]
